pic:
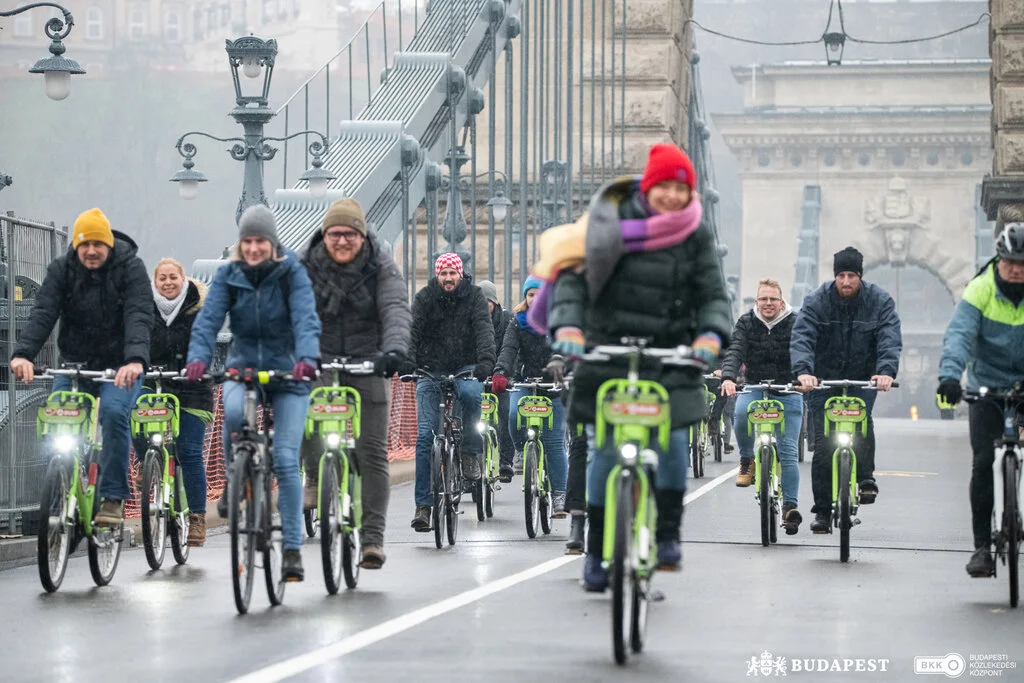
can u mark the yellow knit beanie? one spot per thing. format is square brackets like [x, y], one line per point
[92, 226]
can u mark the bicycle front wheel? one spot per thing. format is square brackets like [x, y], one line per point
[104, 552]
[1012, 523]
[331, 538]
[531, 490]
[453, 479]
[764, 493]
[273, 544]
[179, 515]
[845, 511]
[696, 452]
[242, 528]
[154, 509]
[437, 473]
[352, 545]
[622, 569]
[54, 542]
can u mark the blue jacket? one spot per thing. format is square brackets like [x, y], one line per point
[854, 339]
[985, 336]
[266, 333]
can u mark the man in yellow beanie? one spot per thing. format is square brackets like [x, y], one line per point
[99, 291]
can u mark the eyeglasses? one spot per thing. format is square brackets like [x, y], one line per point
[349, 236]
[768, 300]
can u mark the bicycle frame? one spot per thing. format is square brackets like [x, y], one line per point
[335, 415]
[763, 416]
[156, 417]
[844, 415]
[538, 414]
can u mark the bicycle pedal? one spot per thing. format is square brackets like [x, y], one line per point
[856, 521]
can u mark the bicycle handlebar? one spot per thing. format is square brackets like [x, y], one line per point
[997, 394]
[680, 356]
[426, 374]
[253, 377]
[537, 385]
[849, 383]
[364, 368]
[101, 375]
[781, 388]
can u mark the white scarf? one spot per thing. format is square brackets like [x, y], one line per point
[169, 308]
[786, 312]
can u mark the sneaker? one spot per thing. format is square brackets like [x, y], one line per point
[310, 493]
[574, 546]
[729, 448]
[558, 505]
[506, 474]
[791, 518]
[595, 577]
[373, 557]
[670, 555]
[981, 564]
[868, 492]
[421, 520]
[291, 566]
[746, 475]
[196, 529]
[471, 466]
[822, 523]
[111, 513]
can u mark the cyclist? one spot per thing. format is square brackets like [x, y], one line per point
[761, 341]
[177, 301]
[500, 318]
[269, 332]
[364, 309]
[722, 411]
[846, 329]
[639, 264]
[451, 333]
[985, 337]
[99, 291]
[526, 353]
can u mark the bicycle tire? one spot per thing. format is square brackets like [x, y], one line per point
[309, 517]
[273, 545]
[478, 497]
[454, 483]
[1012, 524]
[104, 553]
[491, 476]
[531, 490]
[697, 453]
[802, 442]
[775, 496]
[242, 528]
[719, 443]
[330, 518]
[642, 586]
[764, 495]
[351, 546]
[437, 512]
[844, 513]
[154, 509]
[54, 538]
[621, 571]
[180, 521]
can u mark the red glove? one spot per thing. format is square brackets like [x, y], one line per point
[303, 370]
[499, 383]
[195, 370]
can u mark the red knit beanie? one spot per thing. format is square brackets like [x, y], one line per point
[668, 162]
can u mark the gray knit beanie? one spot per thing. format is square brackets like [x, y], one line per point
[258, 221]
[489, 290]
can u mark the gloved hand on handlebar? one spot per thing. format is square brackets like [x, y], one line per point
[570, 342]
[556, 369]
[706, 348]
[195, 370]
[499, 383]
[950, 391]
[482, 371]
[304, 370]
[389, 363]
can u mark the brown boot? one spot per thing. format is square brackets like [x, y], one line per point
[373, 557]
[746, 475]
[196, 529]
[111, 513]
[309, 494]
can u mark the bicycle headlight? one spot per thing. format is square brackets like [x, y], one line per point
[766, 439]
[333, 440]
[65, 443]
[629, 452]
[481, 427]
[844, 439]
[157, 439]
[531, 433]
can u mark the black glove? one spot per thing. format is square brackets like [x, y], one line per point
[482, 371]
[556, 368]
[950, 391]
[389, 363]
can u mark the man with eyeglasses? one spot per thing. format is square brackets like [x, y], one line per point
[846, 329]
[364, 309]
[761, 342]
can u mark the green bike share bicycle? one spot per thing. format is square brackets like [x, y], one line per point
[631, 411]
[488, 429]
[165, 511]
[68, 422]
[845, 415]
[707, 439]
[536, 413]
[335, 414]
[764, 416]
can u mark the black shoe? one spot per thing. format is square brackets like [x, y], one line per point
[868, 492]
[471, 466]
[822, 523]
[222, 503]
[291, 566]
[506, 474]
[791, 518]
[421, 520]
[729, 448]
[574, 546]
[981, 564]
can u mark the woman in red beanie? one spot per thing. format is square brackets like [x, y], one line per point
[649, 269]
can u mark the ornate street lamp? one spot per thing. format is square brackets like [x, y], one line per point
[56, 69]
[454, 229]
[835, 44]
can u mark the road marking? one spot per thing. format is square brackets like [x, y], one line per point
[897, 473]
[392, 627]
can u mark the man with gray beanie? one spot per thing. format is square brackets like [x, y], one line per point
[846, 329]
[500, 318]
[363, 306]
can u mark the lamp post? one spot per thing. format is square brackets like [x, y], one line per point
[454, 228]
[255, 57]
[56, 69]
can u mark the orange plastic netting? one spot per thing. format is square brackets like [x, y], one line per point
[401, 442]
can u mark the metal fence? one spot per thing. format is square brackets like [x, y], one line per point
[26, 250]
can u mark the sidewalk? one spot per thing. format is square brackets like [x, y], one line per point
[21, 549]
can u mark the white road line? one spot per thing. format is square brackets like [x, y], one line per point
[304, 662]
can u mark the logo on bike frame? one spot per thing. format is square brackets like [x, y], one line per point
[485, 406]
[62, 412]
[152, 412]
[332, 409]
[637, 409]
[766, 416]
[847, 412]
[538, 410]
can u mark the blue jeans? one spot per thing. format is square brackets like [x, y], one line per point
[115, 423]
[428, 419]
[672, 466]
[290, 410]
[191, 439]
[553, 439]
[788, 444]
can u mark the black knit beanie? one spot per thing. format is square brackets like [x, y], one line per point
[848, 260]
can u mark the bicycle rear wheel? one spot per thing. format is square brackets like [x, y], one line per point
[696, 451]
[622, 569]
[273, 544]
[845, 513]
[492, 473]
[242, 528]
[531, 490]
[1012, 523]
[154, 509]
[54, 541]
[178, 524]
[331, 541]
[437, 474]
[478, 497]
[719, 441]
[764, 493]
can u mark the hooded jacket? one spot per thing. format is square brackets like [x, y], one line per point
[169, 347]
[363, 305]
[451, 331]
[762, 346]
[105, 314]
[524, 353]
[500, 319]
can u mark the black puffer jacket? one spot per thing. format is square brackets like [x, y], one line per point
[524, 355]
[105, 314]
[169, 349]
[764, 350]
[363, 305]
[451, 331]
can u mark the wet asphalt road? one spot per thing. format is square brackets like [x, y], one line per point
[500, 607]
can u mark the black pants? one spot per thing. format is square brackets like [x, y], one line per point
[725, 406]
[821, 465]
[576, 489]
[506, 450]
[986, 422]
